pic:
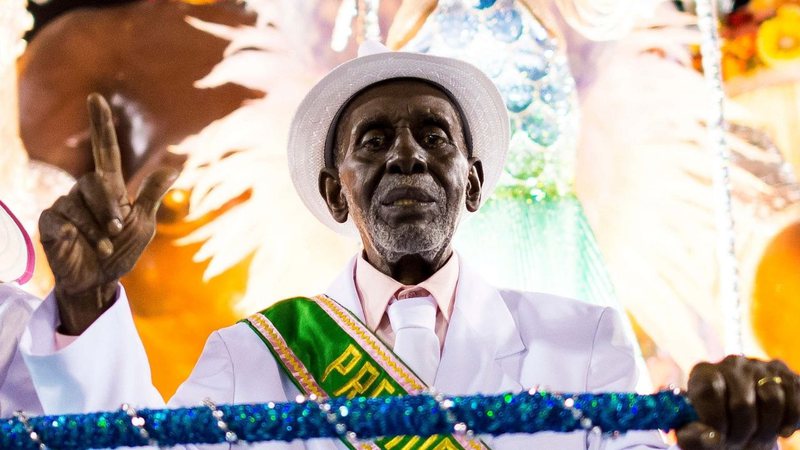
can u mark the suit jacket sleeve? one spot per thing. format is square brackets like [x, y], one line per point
[614, 368]
[103, 368]
[212, 377]
[107, 366]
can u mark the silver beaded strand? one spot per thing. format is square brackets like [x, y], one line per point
[138, 422]
[230, 436]
[333, 416]
[460, 429]
[728, 264]
[32, 434]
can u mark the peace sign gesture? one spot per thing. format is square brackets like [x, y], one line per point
[95, 234]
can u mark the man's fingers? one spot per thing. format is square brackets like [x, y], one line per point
[108, 210]
[58, 237]
[742, 415]
[72, 210]
[747, 401]
[699, 436]
[791, 392]
[52, 227]
[707, 391]
[153, 189]
[104, 141]
[770, 399]
[104, 137]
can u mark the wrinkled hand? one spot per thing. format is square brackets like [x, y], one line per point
[95, 234]
[742, 404]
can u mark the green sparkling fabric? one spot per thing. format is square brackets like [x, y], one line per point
[537, 245]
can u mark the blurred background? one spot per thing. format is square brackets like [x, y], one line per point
[612, 192]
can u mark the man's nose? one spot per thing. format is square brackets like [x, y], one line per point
[406, 156]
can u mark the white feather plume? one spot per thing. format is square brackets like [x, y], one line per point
[245, 152]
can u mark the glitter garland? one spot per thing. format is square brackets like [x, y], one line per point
[359, 418]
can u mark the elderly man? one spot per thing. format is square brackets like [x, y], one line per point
[395, 146]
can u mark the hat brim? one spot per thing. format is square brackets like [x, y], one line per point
[16, 249]
[480, 102]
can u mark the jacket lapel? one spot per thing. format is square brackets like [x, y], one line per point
[483, 346]
[343, 290]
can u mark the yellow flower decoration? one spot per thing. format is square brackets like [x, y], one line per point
[778, 38]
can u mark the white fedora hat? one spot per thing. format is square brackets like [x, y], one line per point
[478, 99]
[16, 249]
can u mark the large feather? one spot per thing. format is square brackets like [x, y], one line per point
[245, 152]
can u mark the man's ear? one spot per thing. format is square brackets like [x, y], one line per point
[331, 190]
[474, 184]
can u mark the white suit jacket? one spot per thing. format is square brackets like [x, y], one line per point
[497, 341]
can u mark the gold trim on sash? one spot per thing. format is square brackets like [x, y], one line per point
[286, 354]
[396, 368]
[361, 364]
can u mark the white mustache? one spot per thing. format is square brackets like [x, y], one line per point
[425, 183]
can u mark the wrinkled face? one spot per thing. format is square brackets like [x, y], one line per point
[403, 168]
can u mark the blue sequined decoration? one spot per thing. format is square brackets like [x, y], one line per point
[505, 41]
[531, 234]
[422, 415]
[483, 4]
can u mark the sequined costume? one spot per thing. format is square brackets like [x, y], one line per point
[532, 234]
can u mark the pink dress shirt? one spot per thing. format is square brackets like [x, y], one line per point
[376, 290]
[63, 340]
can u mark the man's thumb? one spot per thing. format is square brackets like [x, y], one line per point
[153, 189]
[698, 436]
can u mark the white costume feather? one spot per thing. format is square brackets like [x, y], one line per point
[246, 151]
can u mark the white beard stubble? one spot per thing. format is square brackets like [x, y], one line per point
[427, 239]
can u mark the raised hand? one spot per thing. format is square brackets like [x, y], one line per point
[742, 404]
[95, 234]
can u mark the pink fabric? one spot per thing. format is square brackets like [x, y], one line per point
[411, 292]
[376, 290]
[62, 340]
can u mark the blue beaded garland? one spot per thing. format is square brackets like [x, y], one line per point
[422, 415]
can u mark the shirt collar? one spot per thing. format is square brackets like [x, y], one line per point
[375, 289]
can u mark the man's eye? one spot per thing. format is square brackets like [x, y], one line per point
[433, 140]
[373, 141]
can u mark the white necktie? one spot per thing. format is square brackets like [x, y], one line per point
[413, 321]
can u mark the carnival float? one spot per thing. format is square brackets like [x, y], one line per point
[686, 217]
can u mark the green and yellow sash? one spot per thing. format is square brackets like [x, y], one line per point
[328, 352]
